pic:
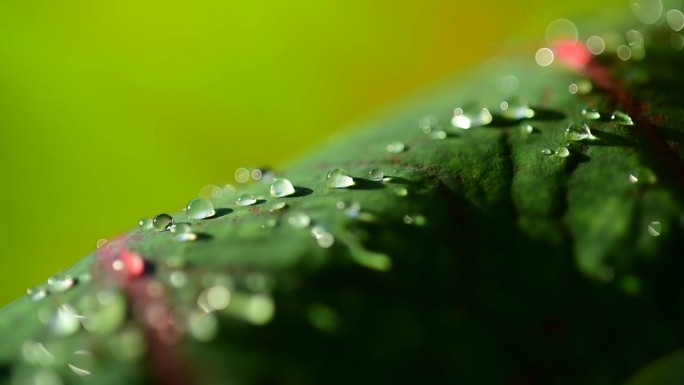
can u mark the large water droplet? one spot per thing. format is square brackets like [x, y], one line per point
[516, 109]
[163, 222]
[471, 115]
[299, 220]
[339, 178]
[648, 11]
[376, 174]
[578, 131]
[655, 228]
[675, 19]
[64, 321]
[200, 208]
[281, 187]
[544, 57]
[396, 147]
[562, 152]
[246, 200]
[591, 114]
[620, 117]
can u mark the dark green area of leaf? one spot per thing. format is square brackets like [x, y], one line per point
[530, 269]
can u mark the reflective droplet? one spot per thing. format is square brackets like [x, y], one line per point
[214, 298]
[42, 377]
[596, 45]
[591, 114]
[242, 175]
[60, 284]
[299, 220]
[624, 52]
[65, 321]
[376, 174]
[181, 227]
[643, 175]
[438, 135]
[648, 11]
[621, 118]
[200, 208]
[82, 363]
[281, 187]
[675, 19]
[256, 174]
[246, 200]
[516, 109]
[145, 224]
[471, 115]
[276, 206]
[186, 237]
[654, 229]
[635, 39]
[546, 151]
[339, 178]
[526, 129]
[417, 220]
[36, 294]
[324, 238]
[400, 191]
[561, 30]
[396, 147]
[578, 131]
[203, 326]
[572, 88]
[544, 57]
[163, 222]
[562, 152]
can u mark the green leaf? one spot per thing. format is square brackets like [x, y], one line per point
[478, 259]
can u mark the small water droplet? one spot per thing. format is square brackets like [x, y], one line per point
[299, 220]
[562, 152]
[214, 298]
[437, 135]
[471, 115]
[578, 131]
[643, 175]
[242, 175]
[324, 238]
[427, 123]
[281, 187]
[572, 88]
[396, 147]
[401, 191]
[163, 222]
[648, 11]
[256, 174]
[634, 38]
[546, 151]
[675, 19]
[339, 178]
[65, 321]
[526, 129]
[376, 174]
[181, 227]
[145, 224]
[186, 237]
[544, 57]
[590, 114]
[246, 200]
[200, 208]
[596, 45]
[60, 284]
[516, 109]
[416, 220]
[36, 294]
[621, 118]
[624, 52]
[82, 363]
[655, 228]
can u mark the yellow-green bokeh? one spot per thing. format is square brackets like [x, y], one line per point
[115, 110]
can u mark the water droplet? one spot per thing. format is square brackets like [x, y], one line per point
[256, 174]
[677, 41]
[634, 38]
[214, 298]
[178, 279]
[65, 321]
[471, 115]
[200, 208]
[324, 238]
[400, 191]
[276, 206]
[259, 309]
[339, 178]
[562, 152]
[591, 114]
[82, 363]
[417, 220]
[516, 109]
[376, 174]
[36, 294]
[203, 326]
[60, 284]
[163, 222]
[182, 227]
[100, 243]
[544, 57]
[561, 30]
[428, 123]
[396, 147]
[546, 151]
[654, 229]
[186, 237]
[572, 88]
[242, 175]
[145, 224]
[578, 131]
[675, 19]
[526, 129]
[643, 175]
[299, 220]
[624, 52]
[621, 118]
[281, 187]
[246, 200]
[648, 11]
[596, 45]
[437, 135]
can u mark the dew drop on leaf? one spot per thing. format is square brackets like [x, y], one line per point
[200, 208]
[186, 237]
[246, 200]
[578, 131]
[162, 222]
[36, 294]
[562, 152]
[324, 238]
[621, 118]
[526, 129]
[396, 147]
[64, 321]
[376, 174]
[590, 114]
[516, 109]
[242, 175]
[339, 178]
[299, 220]
[281, 187]
[546, 151]
[60, 284]
[471, 115]
[642, 175]
[182, 227]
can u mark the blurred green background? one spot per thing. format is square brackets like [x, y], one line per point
[115, 110]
